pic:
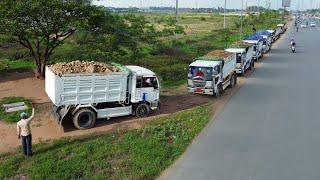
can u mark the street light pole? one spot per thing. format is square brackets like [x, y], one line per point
[224, 12]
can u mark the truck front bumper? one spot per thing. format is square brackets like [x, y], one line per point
[239, 70]
[201, 91]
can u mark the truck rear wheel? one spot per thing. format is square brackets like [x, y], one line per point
[142, 110]
[84, 119]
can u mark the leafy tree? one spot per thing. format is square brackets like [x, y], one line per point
[125, 36]
[43, 25]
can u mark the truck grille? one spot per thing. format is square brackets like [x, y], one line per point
[199, 83]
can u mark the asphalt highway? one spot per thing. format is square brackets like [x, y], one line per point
[270, 129]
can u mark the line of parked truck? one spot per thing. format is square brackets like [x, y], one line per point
[212, 73]
[134, 90]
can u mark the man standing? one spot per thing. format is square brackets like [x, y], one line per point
[24, 132]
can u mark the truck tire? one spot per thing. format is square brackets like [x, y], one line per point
[219, 91]
[251, 65]
[84, 119]
[243, 71]
[233, 81]
[142, 110]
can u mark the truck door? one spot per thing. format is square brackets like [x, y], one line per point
[147, 89]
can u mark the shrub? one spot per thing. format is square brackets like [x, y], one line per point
[3, 66]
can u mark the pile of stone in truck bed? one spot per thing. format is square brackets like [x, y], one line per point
[82, 67]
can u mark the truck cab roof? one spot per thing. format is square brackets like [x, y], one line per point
[141, 71]
[236, 50]
[252, 41]
[271, 31]
[204, 63]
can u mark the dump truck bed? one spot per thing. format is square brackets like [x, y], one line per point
[73, 89]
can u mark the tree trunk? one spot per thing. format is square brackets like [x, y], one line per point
[43, 70]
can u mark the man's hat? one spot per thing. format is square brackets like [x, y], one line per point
[23, 115]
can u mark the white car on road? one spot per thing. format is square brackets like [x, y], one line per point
[313, 24]
[303, 26]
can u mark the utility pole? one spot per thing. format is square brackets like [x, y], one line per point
[177, 6]
[259, 7]
[241, 23]
[224, 12]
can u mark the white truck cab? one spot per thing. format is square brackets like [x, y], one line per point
[212, 73]
[244, 54]
[283, 27]
[145, 86]
[257, 47]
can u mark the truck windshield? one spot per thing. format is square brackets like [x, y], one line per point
[203, 72]
[239, 57]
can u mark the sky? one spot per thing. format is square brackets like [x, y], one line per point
[232, 4]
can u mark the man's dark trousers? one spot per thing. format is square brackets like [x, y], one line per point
[27, 144]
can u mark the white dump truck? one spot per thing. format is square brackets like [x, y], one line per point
[212, 73]
[257, 42]
[283, 27]
[244, 53]
[267, 42]
[83, 98]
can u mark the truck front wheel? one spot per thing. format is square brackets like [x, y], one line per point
[142, 110]
[84, 119]
[219, 91]
[233, 81]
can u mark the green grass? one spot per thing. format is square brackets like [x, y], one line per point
[15, 65]
[14, 116]
[130, 154]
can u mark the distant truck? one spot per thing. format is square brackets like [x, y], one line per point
[244, 54]
[267, 40]
[257, 42]
[276, 33]
[283, 27]
[86, 97]
[212, 73]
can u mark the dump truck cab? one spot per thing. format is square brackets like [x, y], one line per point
[213, 73]
[244, 55]
[145, 86]
[257, 42]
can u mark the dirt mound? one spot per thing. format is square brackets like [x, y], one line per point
[219, 53]
[82, 67]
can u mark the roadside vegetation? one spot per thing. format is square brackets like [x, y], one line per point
[124, 154]
[14, 116]
[155, 41]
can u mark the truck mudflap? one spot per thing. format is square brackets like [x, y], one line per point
[60, 113]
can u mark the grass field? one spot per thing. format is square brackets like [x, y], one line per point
[14, 116]
[125, 154]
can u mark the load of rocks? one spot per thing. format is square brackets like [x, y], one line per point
[82, 67]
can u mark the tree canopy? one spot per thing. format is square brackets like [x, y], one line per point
[41, 26]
